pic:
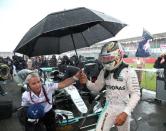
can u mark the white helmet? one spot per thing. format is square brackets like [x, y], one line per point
[111, 55]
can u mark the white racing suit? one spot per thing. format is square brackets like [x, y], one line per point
[117, 97]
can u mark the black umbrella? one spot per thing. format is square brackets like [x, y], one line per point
[68, 30]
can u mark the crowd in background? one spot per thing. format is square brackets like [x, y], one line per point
[17, 63]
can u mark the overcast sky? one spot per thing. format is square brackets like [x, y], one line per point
[18, 16]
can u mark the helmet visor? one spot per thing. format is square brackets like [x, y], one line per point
[109, 57]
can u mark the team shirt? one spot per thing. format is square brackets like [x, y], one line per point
[31, 98]
[119, 90]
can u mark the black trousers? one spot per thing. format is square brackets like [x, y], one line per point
[48, 120]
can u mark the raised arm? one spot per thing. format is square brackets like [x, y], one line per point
[69, 81]
[97, 86]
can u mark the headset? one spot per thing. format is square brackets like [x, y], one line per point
[29, 89]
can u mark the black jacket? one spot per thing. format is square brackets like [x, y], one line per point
[158, 65]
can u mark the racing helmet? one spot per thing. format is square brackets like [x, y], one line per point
[111, 55]
[35, 111]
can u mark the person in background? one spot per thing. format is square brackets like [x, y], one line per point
[44, 62]
[139, 65]
[19, 62]
[29, 64]
[161, 63]
[122, 88]
[9, 63]
[66, 60]
[37, 62]
[53, 61]
[38, 100]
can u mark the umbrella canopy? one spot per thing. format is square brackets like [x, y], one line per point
[68, 30]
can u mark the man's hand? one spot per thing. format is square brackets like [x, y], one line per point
[120, 119]
[70, 80]
[77, 75]
[83, 78]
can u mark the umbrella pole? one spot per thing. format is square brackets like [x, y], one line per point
[74, 45]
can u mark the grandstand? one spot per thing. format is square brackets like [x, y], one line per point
[157, 45]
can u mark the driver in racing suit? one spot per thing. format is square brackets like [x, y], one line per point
[122, 88]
